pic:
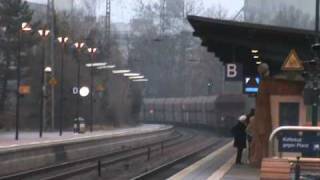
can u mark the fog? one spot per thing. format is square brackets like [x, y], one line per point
[123, 10]
[152, 38]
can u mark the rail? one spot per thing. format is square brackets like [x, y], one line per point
[97, 159]
[150, 173]
[287, 128]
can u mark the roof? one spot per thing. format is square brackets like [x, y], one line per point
[233, 41]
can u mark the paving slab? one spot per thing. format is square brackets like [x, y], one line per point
[204, 168]
[243, 171]
[218, 165]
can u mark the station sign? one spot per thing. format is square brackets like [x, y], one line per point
[100, 88]
[75, 90]
[53, 82]
[296, 143]
[251, 85]
[233, 72]
[24, 89]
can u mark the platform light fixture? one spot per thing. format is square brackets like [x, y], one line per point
[106, 67]
[48, 69]
[96, 64]
[131, 74]
[141, 80]
[26, 27]
[44, 32]
[63, 40]
[258, 62]
[121, 71]
[136, 77]
[92, 50]
[255, 57]
[254, 51]
[79, 45]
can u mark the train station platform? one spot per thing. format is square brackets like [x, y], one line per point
[219, 165]
[242, 172]
[31, 139]
[31, 152]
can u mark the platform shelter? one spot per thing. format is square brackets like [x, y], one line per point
[280, 98]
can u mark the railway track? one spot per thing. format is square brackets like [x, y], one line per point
[194, 150]
[168, 169]
[130, 162]
[96, 164]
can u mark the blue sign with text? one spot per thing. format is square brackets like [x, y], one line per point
[296, 143]
[251, 85]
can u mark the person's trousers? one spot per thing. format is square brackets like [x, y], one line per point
[239, 155]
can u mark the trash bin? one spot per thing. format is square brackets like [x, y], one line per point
[79, 125]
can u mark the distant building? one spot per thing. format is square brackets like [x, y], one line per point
[269, 8]
[39, 11]
[175, 8]
[122, 31]
[64, 5]
[60, 5]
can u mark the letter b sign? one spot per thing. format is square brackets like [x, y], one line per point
[233, 72]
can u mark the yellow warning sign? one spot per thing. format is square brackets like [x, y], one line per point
[53, 82]
[99, 88]
[24, 89]
[292, 63]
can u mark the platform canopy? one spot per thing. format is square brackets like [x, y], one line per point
[232, 41]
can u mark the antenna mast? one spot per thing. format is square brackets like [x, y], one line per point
[162, 16]
[108, 29]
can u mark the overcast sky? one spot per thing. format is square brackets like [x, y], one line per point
[122, 10]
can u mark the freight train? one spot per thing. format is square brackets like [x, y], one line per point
[219, 112]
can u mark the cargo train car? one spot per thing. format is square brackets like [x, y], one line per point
[219, 112]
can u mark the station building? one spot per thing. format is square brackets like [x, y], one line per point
[280, 100]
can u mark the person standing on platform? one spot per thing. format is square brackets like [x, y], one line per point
[240, 137]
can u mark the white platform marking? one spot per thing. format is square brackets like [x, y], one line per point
[219, 174]
[180, 175]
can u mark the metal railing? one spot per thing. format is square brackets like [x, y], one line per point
[287, 128]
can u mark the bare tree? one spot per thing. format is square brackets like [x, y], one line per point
[216, 12]
[288, 16]
[168, 61]
[292, 17]
[193, 7]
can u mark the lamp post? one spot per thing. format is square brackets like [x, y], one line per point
[210, 86]
[48, 74]
[311, 89]
[92, 52]
[25, 27]
[315, 61]
[63, 41]
[44, 33]
[78, 46]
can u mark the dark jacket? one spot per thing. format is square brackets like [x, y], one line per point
[240, 136]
